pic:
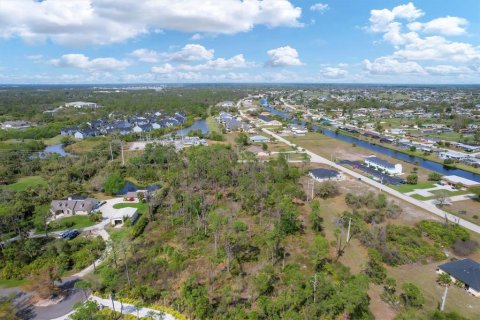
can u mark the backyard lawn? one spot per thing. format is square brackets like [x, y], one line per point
[410, 187]
[73, 222]
[25, 183]
[141, 206]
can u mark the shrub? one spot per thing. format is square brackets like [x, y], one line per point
[465, 247]
[138, 228]
[446, 235]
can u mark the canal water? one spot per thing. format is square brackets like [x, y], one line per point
[427, 164]
[276, 112]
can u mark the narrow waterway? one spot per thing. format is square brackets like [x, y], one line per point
[427, 164]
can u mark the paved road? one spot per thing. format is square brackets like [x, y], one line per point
[73, 296]
[126, 309]
[424, 205]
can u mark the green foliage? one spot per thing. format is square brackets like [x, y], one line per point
[411, 296]
[315, 218]
[434, 176]
[444, 279]
[139, 226]
[194, 297]
[114, 183]
[445, 235]
[326, 189]
[21, 259]
[375, 269]
[412, 179]
[242, 139]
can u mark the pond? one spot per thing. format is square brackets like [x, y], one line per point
[131, 187]
[197, 125]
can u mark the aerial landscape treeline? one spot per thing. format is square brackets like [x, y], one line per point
[219, 231]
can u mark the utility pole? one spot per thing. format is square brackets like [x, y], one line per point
[308, 187]
[123, 157]
[126, 266]
[444, 298]
[313, 186]
[314, 283]
[348, 231]
[111, 152]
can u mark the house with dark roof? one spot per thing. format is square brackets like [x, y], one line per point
[322, 174]
[73, 206]
[465, 271]
[383, 165]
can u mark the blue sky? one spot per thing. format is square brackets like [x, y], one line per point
[344, 41]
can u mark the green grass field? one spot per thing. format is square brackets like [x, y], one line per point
[5, 284]
[54, 140]
[73, 222]
[410, 187]
[141, 206]
[86, 145]
[25, 183]
[213, 125]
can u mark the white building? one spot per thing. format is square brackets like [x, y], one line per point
[81, 104]
[120, 215]
[383, 165]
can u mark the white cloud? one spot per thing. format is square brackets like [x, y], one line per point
[78, 22]
[436, 48]
[390, 65]
[237, 61]
[380, 19]
[414, 53]
[320, 7]
[448, 70]
[191, 52]
[283, 56]
[146, 55]
[75, 60]
[449, 26]
[334, 73]
[165, 69]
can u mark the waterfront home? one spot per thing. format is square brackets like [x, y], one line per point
[459, 181]
[383, 165]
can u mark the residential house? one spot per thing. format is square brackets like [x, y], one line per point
[465, 271]
[259, 139]
[73, 207]
[383, 165]
[322, 174]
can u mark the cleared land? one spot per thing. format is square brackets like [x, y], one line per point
[27, 182]
[331, 148]
[84, 146]
[141, 206]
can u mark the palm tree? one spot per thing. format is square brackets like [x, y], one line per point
[444, 280]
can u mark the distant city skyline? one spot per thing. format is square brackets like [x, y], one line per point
[278, 41]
